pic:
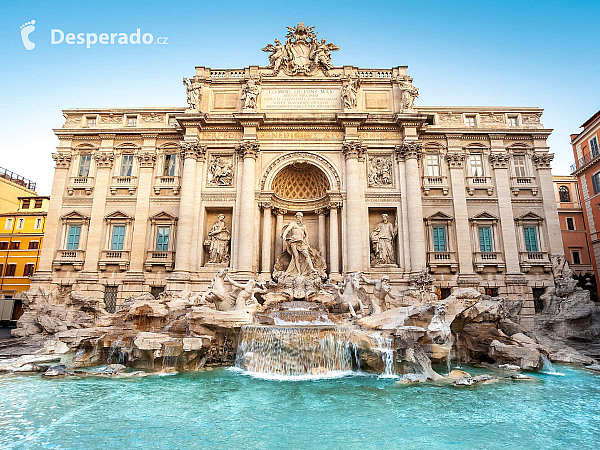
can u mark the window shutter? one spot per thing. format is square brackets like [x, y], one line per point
[162, 239]
[439, 239]
[531, 244]
[485, 239]
[73, 239]
[118, 237]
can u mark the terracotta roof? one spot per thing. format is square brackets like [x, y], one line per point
[590, 120]
[20, 213]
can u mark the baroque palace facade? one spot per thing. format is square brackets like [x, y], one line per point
[149, 199]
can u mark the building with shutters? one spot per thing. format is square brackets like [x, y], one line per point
[21, 239]
[586, 170]
[146, 199]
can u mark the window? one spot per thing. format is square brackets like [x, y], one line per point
[28, 270]
[570, 223]
[169, 170]
[439, 239]
[594, 147]
[15, 245]
[20, 223]
[564, 194]
[485, 239]
[595, 184]
[470, 121]
[38, 223]
[131, 121]
[25, 203]
[162, 238]
[530, 235]
[126, 165]
[433, 164]
[91, 121]
[157, 290]
[118, 237]
[8, 224]
[172, 122]
[38, 203]
[519, 164]
[73, 237]
[4, 245]
[84, 165]
[512, 121]
[110, 298]
[491, 291]
[10, 270]
[476, 162]
[1, 269]
[34, 245]
[576, 256]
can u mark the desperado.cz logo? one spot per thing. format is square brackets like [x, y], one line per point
[58, 37]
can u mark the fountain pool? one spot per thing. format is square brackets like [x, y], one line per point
[225, 409]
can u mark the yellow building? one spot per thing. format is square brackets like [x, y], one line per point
[13, 186]
[21, 236]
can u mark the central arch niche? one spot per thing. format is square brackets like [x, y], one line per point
[300, 181]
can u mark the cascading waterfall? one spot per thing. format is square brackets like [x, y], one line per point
[383, 345]
[116, 355]
[548, 368]
[287, 351]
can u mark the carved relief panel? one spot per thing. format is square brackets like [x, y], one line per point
[220, 170]
[380, 172]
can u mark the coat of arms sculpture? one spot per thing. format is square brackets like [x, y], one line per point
[302, 53]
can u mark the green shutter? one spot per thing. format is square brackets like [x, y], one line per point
[530, 234]
[485, 239]
[162, 239]
[73, 237]
[118, 237]
[439, 239]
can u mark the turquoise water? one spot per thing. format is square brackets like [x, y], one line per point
[224, 409]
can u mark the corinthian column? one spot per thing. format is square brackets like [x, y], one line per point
[51, 238]
[542, 163]
[352, 151]
[334, 261]
[322, 243]
[185, 226]
[266, 241]
[249, 151]
[411, 151]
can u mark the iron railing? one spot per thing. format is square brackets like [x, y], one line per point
[16, 178]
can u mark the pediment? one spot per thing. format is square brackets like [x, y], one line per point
[484, 216]
[75, 215]
[163, 216]
[530, 216]
[440, 216]
[118, 215]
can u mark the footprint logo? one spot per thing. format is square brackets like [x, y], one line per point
[26, 30]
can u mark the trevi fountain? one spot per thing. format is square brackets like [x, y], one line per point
[305, 355]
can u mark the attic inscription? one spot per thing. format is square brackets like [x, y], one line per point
[301, 99]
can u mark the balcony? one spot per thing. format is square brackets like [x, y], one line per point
[583, 162]
[535, 259]
[114, 257]
[167, 182]
[523, 183]
[479, 183]
[437, 260]
[84, 183]
[435, 182]
[129, 183]
[159, 258]
[488, 259]
[74, 257]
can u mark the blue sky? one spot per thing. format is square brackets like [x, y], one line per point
[506, 53]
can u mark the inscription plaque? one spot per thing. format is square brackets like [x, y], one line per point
[300, 99]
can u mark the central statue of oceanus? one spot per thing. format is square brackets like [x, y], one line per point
[300, 269]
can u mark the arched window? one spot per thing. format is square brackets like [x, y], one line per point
[564, 194]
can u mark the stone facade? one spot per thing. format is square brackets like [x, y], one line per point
[467, 191]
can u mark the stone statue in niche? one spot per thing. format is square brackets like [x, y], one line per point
[193, 93]
[381, 290]
[217, 242]
[348, 93]
[300, 269]
[250, 92]
[220, 171]
[382, 242]
[409, 94]
[380, 171]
